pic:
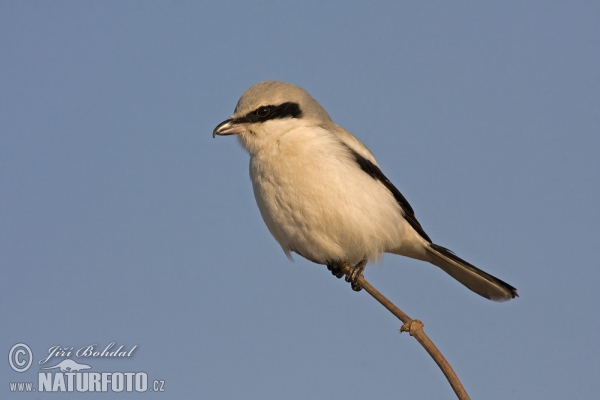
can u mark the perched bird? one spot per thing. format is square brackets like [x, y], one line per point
[322, 194]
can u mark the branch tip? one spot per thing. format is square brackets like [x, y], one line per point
[415, 328]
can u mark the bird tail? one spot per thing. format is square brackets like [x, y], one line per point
[472, 277]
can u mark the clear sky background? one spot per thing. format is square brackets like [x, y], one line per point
[123, 220]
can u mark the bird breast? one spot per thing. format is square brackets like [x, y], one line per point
[317, 202]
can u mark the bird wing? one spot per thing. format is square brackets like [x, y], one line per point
[366, 161]
[352, 142]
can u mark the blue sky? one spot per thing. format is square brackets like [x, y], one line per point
[124, 221]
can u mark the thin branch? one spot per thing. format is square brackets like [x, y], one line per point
[415, 328]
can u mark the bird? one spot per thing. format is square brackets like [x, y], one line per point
[323, 196]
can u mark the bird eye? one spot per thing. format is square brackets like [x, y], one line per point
[263, 112]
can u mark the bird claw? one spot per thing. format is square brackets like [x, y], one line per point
[336, 270]
[355, 274]
[352, 276]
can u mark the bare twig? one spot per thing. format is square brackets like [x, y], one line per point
[415, 328]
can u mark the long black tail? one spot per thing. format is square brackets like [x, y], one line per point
[472, 277]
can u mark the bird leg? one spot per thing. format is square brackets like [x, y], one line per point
[356, 273]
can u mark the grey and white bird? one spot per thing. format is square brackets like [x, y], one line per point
[322, 194]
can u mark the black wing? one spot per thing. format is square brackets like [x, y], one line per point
[375, 173]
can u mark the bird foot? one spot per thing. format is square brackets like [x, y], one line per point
[355, 274]
[352, 273]
[336, 270]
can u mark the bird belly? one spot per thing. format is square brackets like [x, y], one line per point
[323, 207]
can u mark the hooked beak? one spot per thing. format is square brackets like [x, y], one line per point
[229, 127]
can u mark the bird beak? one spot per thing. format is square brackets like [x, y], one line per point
[229, 127]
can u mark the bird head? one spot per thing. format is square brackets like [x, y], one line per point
[269, 109]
